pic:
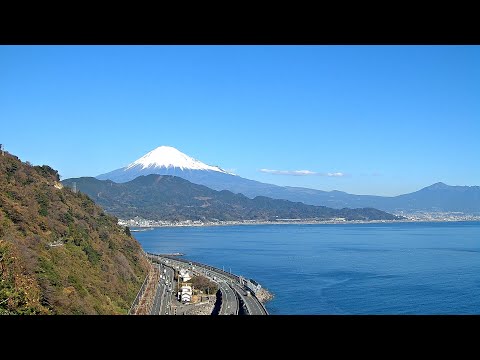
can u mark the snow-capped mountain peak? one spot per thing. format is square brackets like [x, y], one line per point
[168, 157]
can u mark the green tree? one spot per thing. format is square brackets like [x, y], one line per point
[127, 231]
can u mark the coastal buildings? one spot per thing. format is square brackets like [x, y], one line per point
[420, 216]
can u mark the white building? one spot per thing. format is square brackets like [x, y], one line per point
[185, 293]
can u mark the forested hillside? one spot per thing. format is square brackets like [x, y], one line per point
[59, 252]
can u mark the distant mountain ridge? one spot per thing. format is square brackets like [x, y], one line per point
[170, 198]
[170, 161]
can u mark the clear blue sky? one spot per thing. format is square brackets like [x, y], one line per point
[392, 119]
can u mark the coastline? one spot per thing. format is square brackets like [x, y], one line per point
[152, 224]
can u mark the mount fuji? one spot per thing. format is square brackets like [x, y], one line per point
[162, 159]
[166, 160]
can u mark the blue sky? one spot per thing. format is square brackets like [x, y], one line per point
[390, 119]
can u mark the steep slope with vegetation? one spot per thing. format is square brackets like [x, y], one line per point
[164, 197]
[59, 252]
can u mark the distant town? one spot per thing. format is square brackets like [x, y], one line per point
[410, 217]
[438, 216]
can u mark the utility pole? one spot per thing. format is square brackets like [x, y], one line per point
[1, 148]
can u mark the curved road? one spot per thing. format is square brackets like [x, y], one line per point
[229, 300]
[252, 303]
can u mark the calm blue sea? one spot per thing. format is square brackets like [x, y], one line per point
[404, 268]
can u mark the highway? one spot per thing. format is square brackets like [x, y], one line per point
[157, 300]
[229, 285]
[163, 296]
[229, 300]
[253, 305]
[167, 296]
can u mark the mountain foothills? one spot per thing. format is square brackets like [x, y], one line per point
[59, 252]
[166, 160]
[170, 198]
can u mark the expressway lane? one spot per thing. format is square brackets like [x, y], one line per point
[163, 299]
[229, 300]
[252, 303]
[167, 296]
[157, 301]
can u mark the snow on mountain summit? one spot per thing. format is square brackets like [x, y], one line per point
[169, 157]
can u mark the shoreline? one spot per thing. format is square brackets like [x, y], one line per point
[299, 222]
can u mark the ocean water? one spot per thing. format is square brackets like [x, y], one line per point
[402, 268]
